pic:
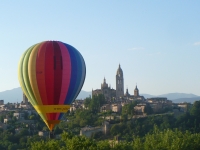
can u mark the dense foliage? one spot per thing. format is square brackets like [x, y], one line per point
[156, 131]
[157, 140]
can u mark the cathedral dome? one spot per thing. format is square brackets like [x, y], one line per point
[119, 71]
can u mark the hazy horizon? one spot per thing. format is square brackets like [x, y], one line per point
[129, 92]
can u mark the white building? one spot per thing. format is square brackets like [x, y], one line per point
[19, 116]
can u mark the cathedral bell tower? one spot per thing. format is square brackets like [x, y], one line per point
[136, 92]
[119, 83]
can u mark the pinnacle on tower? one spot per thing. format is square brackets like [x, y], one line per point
[104, 80]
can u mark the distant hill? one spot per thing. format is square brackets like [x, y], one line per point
[15, 95]
[173, 96]
[84, 94]
[147, 95]
[12, 96]
[191, 100]
[176, 97]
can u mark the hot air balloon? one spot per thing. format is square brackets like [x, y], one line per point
[51, 75]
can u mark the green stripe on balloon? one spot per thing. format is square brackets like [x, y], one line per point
[21, 78]
[26, 76]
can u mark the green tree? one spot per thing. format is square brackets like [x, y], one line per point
[103, 145]
[13, 147]
[2, 119]
[124, 117]
[50, 145]
[95, 103]
[115, 129]
[195, 110]
[148, 110]
[129, 109]
[87, 102]
[24, 132]
[32, 117]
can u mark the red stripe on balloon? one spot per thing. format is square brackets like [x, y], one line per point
[66, 73]
[40, 76]
[40, 73]
[58, 67]
[49, 75]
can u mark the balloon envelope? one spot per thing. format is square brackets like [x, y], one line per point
[51, 75]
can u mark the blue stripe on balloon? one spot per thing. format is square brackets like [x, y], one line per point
[73, 75]
[82, 72]
[79, 71]
[78, 75]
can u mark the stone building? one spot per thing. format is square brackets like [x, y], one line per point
[106, 107]
[136, 92]
[43, 133]
[6, 120]
[116, 107]
[127, 93]
[158, 103]
[25, 99]
[118, 94]
[136, 95]
[106, 90]
[18, 115]
[140, 109]
[184, 107]
[119, 83]
[1, 102]
[110, 93]
[88, 131]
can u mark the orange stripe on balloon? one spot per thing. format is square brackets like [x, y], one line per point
[32, 73]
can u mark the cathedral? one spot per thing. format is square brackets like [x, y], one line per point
[111, 93]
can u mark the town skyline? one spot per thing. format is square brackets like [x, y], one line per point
[156, 43]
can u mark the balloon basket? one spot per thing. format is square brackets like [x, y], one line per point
[51, 135]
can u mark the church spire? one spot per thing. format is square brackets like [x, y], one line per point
[104, 80]
[136, 91]
[119, 82]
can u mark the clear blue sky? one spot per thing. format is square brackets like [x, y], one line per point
[156, 42]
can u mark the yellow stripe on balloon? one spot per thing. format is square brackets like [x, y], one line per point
[52, 108]
[32, 73]
[32, 76]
